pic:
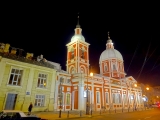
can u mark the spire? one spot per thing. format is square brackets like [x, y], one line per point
[78, 26]
[108, 36]
[109, 43]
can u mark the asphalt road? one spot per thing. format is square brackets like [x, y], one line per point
[152, 114]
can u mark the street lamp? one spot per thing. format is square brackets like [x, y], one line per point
[91, 74]
[147, 88]
[87, 107]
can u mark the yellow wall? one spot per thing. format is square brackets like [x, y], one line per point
[28, 83]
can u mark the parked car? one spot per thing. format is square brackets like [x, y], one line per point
[155, 105]
[16, 115]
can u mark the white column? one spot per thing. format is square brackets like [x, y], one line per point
[73, 100]
[52, 94]
[102, 94]
[56, 96]
[80, 97]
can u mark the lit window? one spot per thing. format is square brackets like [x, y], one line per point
[15, 77]
[42, 78]
[116, 98]
[68, 97]
[39, 100]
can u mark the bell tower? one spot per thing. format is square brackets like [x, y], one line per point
[77, 53]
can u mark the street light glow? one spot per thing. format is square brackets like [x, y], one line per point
[147, 88]
[135, 85]
[91, 74]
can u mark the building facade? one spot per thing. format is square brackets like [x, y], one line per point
[48, 87]
[111, 89]
[23, 80]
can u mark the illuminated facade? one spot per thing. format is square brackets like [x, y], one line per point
[110, 89]
[24, 80]
[50, 88]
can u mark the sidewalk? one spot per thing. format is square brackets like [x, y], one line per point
[74, 114]
[55, 116]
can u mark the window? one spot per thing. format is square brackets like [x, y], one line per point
[61, 80]
[116, 98]
[72, 70]
[82, 54]
[72, 54]
[105, 67]
[132, 98]
[98, 97]
[125, 98]
[39, 101]
[15, 77]
[68, 81]
[107, 97]
[114, 67]
[42, 80]
[68, 97]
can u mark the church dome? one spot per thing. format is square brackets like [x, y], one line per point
[110, 53]
[77, 37]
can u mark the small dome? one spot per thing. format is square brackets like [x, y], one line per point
[110, 53]
[77, 37]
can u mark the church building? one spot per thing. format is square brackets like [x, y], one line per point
[77, 89]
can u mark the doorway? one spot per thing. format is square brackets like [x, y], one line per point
[11, 101]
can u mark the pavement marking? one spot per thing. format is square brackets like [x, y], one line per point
[147, 117]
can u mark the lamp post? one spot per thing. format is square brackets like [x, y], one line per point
[147, 88]
[135, 105]
[91, 74]
[87, 107]
[60, 92]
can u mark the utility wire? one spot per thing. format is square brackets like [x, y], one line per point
[132, 58]
[144, 62]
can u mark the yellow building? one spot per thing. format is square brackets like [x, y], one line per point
[24, 80]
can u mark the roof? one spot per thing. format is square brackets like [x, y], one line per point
[23, 59]
[110, 53]
[78, 37]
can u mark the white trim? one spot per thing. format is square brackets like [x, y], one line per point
[22, 76]
[44, 104]
[43, 80]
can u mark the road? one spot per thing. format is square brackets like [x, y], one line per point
[152, 114]
[149, 114]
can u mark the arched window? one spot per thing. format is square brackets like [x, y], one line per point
[82, 54]
[82, 70]
[72, 53]
[72, 70]
[114, 67]
[105, 67]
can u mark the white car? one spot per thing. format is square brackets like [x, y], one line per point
[16, 115]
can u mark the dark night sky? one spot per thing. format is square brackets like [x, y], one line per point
[45, 28]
